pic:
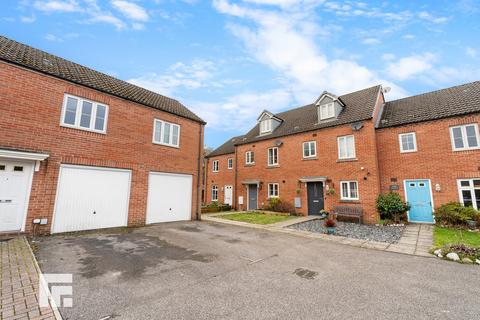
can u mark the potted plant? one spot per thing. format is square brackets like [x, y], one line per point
[323, 213]
[331, 225]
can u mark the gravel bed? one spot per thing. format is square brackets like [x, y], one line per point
[388, 234]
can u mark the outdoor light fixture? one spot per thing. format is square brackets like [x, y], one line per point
[437, 187]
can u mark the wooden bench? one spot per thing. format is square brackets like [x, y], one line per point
[349, 211]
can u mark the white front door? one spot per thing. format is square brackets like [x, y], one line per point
[91, 198]
[15, 184]
[228, 195]
[169, 197]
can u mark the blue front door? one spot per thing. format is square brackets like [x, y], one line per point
[420, 199]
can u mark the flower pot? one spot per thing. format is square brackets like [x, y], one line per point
[331, 230]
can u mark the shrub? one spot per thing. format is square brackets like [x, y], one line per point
[455, 213]
[214, 206]
[330, 223]
[277, 205]
[391, 206]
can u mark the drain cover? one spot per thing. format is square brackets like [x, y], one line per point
[305, 273]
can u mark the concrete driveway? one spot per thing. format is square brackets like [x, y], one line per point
[204, 270]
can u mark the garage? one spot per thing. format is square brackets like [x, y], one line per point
[169, 197]
[91, 198]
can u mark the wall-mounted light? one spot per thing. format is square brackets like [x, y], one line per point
[438, 188]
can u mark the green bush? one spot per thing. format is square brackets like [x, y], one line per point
[277, 205]
[391, 206]
[455, 213]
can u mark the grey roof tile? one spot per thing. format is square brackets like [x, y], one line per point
[226, 148]
[29, 57]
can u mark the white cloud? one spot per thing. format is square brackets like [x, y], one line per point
[408, 37]
[424, 15]
[52, 37]
[371, 41]
[408, 67]
[388, 56]
[107, 18]
[471, 52]
[131, 10]
[25, 19]
[58, 5]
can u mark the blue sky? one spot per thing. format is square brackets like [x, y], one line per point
[228, 60]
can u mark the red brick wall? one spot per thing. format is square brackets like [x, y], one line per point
[292, 167]
[434, 159]
[221, 178]
[30, 105]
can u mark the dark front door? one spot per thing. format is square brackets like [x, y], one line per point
[315, 197]
[252, 196]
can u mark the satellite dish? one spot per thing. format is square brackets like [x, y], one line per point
[278, 143]
[386, 89]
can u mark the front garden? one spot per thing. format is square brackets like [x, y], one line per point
[256, 217]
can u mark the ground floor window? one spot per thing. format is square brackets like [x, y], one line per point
[214, 193]
[469, 191]
[273, 190]
[349, 190]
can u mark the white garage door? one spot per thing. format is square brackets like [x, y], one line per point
[91, 198]
[169, 197]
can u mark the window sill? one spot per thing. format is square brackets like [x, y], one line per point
[349, 201]
[347, 160]
[309, 158]
[81, 129]
[409, 151]
[273, 166]
[166, 145]
[250, 164]
[463, 150]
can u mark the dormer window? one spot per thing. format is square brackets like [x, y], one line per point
[265, 126]
[327, 111]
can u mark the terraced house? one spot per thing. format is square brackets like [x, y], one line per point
[345, 150]
[82, 150]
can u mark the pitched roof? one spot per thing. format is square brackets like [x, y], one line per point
[359, 106]
[28, 57]
[454, 101]
[226, 148]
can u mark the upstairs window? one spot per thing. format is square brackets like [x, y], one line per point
[265, 126]
[408, 142]
[166, 133]
[309, 149]
[230, 163]
[346, 147]
[249, 157]
[273, 156]
[273, 190]
[84, 114]
[327, 111]
[464, 137]
[215, 165]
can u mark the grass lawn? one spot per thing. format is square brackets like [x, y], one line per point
[444, 236]
[256, 217]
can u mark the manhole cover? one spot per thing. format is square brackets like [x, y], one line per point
[305, 273]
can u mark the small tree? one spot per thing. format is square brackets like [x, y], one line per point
[391, 206]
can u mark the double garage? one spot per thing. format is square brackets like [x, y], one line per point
[96, 197]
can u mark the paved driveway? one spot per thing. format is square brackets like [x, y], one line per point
[204, 270]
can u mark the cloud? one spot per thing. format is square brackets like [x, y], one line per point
[52, 37]
[471, 52]
[25, 19]
[424, 15]
[408, 67]
[108, 19]
[57, 5]
[408, 37]
[371, 41]
[131, 10]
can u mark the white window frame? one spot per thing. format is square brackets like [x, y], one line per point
[400, 137]
[349, 197]
[78, 114]
[470, 188]
[329, 111]
[344, 140]
[249, 157]
[215, 165]
[265, 126]
[271, 163]
[214, 192]
[230, 163]
[272, 187]
[162, 126]
[311, 155]
[464, 137]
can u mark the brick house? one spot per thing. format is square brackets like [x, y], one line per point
[82, 150]
[345, 150]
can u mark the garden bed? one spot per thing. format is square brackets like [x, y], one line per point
[389, 234]
[256, 217]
